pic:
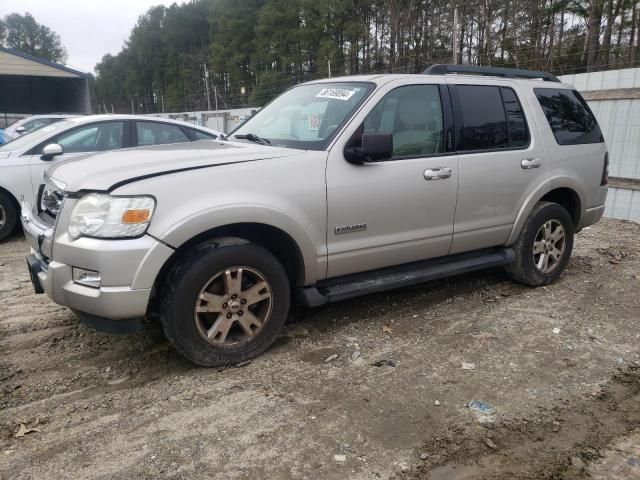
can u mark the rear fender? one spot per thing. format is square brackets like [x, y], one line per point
[536, 195]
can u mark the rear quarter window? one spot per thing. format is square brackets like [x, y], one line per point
[200, 135]
[569, 116]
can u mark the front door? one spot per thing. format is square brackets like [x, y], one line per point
[399, 210]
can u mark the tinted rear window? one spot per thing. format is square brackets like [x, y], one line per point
[484, 121]
[569, 116]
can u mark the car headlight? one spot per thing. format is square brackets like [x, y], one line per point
[52, 197]
[103, 216]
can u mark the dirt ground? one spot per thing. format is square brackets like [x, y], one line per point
[558, 367]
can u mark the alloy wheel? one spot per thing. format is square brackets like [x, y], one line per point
[549, 246]
[233, 306]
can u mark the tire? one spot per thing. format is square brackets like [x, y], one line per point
[196, 327]
[524, 268]
[8, 216]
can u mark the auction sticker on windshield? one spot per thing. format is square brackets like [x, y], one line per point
[336, 93]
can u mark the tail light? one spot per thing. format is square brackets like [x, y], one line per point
[605, 170]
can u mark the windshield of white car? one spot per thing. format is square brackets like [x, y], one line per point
[304, 117]
[36, 136]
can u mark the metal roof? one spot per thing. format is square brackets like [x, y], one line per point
[20, 69]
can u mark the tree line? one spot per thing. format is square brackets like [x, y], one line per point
[255, 49]
[23, 33]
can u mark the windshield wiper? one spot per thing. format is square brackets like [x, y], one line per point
[252, 137]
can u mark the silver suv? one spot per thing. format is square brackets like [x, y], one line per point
[338, 188]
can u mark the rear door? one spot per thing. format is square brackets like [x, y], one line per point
[501, 161]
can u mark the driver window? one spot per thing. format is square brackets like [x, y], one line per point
[413, 114]
[36, 124]
[93, 138]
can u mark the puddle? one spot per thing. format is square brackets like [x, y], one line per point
[318, 356]
[453, 472]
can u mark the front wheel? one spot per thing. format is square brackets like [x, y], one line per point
[223, 305]
[8, 216]
[544, 245]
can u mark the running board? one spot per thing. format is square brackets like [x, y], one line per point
[355, 285]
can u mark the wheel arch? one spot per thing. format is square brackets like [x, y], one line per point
[569, 199]
[565, 194]
[274, 239]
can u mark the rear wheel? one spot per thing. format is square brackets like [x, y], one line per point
[544, 245]
[8, 216]
[225, 304]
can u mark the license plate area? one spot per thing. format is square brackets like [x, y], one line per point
[34, 232]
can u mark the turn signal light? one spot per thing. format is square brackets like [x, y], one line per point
[136, 216]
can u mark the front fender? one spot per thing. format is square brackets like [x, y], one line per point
[288, 193]
[184, 229]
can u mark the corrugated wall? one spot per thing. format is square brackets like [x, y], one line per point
[623, 203]
[620, 123]
[619, 119]
[610, 79]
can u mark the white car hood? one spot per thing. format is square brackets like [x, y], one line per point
[107, 171]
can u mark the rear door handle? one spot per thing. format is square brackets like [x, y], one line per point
[437, 173]
[528, 163]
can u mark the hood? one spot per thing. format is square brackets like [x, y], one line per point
[107, 171]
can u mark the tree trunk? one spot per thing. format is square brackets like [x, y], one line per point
[561, 33]
[613, 10]
[621, 27]
[593, 38]
[634, 33]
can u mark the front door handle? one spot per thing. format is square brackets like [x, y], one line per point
[437, 173]
[528, 163]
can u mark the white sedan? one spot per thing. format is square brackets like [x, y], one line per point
[30, 124]
[24, 159]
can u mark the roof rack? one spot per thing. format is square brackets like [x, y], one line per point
[443, 69]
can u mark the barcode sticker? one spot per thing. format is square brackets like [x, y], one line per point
[336, 93]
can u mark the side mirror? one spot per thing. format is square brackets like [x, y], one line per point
[20, 130]
[50, 151]
[375, 147]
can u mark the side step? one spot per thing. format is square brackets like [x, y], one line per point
[355, 285]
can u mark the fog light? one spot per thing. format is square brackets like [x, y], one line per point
[86, 277]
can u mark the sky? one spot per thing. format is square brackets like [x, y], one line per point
[88, 29]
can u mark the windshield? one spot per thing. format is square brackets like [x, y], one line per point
[34, 137]
[307, 116]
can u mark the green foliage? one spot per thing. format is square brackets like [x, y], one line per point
[23, 33]
[255, 49]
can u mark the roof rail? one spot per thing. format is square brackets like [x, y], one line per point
[443, 69]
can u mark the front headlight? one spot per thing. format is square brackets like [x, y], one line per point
[52, 197]
[103, 216]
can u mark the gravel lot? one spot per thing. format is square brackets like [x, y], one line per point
[559, 366]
